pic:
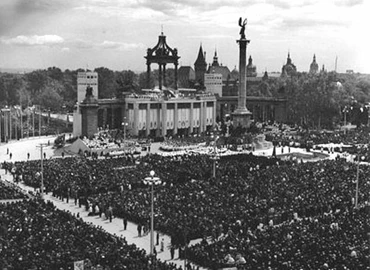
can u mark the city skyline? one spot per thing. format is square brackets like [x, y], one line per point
[116, 34]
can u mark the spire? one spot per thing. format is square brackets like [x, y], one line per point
[215, 59]
[250, 60]
[314, 67]
[289, 60]
[201, 57]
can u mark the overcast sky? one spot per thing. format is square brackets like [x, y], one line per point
[116, 33]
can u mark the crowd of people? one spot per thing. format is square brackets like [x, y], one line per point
[8, 192]
[39, 236]
[249, 205]
[176, 144]
[257, 213]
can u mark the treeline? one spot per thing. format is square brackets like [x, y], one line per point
[56, 90]
[320, 100]
[313, 100]
[327, 98]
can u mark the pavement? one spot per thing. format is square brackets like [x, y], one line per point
[20, 149]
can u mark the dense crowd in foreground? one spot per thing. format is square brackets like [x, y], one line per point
[39, 236]
[281, 215]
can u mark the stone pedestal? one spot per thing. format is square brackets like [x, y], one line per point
[242, 118]
[89, 115]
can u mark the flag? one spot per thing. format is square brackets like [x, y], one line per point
[79, 265]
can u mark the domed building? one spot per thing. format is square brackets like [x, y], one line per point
[251, 69]
[289, 68]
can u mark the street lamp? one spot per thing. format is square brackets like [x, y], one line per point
[151, 180]
[42, 169]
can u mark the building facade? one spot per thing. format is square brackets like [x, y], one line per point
[162, 116]
[213, 83]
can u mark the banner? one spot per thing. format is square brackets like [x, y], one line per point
[79, 265]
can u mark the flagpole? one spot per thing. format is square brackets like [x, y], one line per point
[21, 137]
[10, 122]
[40, 121]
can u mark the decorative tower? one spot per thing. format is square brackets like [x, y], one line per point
[215, 60]
[162, 54]
[242, 116]
[200, 66]
[314, 67]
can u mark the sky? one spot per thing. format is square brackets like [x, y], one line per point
[71, 34]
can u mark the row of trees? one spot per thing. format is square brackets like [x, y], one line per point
[56, 89]
[313, 100]
[321, 100]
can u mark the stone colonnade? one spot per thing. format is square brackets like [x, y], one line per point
[170, 117]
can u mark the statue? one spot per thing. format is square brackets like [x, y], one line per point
[89, 91]
[242, 25]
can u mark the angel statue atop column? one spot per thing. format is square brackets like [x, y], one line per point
[242, 29]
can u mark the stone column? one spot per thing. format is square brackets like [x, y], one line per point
[148, 75]
[176, 119]
[158, 120]
[160, 76]
[202, 117]
[136, 119]
[147, 132]
[242, 97]
[176, 76]
[164, 119]
[164, 75]
[214, 114]
[191, 117]
[242, 115]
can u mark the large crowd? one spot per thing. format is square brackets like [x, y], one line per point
[274, 214]
[39, 236]
[8, 191]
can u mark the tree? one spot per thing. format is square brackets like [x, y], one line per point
[36, 81]
[105, 82]
[50, 96]
[126, 81]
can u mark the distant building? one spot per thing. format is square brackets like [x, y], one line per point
[213, 83]
[216, 68]
[159, 113]
[251, 69]
[200, 66]
[314, 67]
[289, 68]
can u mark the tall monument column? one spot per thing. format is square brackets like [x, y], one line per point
[242, 116]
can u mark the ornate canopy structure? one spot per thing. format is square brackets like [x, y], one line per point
[162, 54]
